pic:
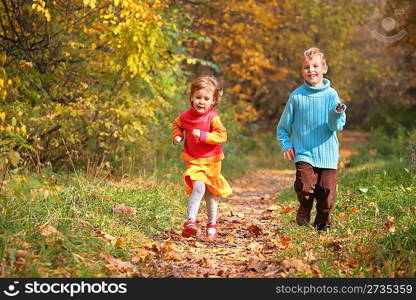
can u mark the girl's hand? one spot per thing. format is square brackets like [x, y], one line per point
[289, 154]
[340, 107]
[177, 139]
[197, 133]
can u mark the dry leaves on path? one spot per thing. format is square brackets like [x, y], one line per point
[248, 240]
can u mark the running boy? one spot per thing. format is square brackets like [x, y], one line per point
[307, 134]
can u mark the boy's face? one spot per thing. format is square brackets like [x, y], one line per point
[203, 100]
[313, 70]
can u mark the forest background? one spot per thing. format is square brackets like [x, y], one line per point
[89, 89]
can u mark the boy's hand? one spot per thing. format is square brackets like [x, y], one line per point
[197, 133]
[289, 154]
[177, 139]
[340, 107]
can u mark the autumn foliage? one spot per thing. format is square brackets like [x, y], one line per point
[85, 80]
[93, 80]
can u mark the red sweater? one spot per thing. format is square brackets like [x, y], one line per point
[208, 147]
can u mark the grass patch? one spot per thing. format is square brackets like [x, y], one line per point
[87, 228]
[79, 207]
[374, 232]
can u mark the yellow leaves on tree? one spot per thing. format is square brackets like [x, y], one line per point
[40, 7]
[133, 32]
[243, 36]
[97, 76]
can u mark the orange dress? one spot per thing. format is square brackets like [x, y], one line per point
[205, 162]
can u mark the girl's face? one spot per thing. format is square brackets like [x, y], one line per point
[313, 70]
[202, 100]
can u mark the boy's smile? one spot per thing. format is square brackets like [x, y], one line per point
[202, 100]
[313, 70]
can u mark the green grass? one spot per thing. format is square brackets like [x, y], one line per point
[374, 234]
[79, 205]
[80, 211]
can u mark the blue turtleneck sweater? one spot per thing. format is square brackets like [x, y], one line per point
[311, 120]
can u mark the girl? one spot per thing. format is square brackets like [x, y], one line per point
[203, 132]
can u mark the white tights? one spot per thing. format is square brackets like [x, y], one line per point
[199, 191]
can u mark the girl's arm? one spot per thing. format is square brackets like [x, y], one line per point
[177, 130]
[218, 134]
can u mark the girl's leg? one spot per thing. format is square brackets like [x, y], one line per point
[194, 200]
[212, 207]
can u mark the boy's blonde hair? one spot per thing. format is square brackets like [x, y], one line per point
[311, 52]
[207, 82]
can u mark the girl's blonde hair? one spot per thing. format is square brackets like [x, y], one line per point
[207, 82]
[311, 52]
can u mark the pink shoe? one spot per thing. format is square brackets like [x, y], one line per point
[212, 232]
[189, 229]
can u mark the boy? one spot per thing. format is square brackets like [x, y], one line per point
[311, 118]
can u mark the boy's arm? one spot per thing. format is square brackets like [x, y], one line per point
[177, 129]
[336, 116]
[284, 128]
[218, 135]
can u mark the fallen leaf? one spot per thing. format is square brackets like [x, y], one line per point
[390, 226]
[310, 257]
[174, 256]
[293, 263]
[271, 273]
[316, 271]
[230, 239]
[105, 236]
[48, 230]
[85, 223]
[124, 210]
[21, 253]
[287, 210]
[269, 246]
[336, 245]
[256, 265]
[140, 274]
[26, 245]
[254, 229]
[354, 210]
[120, 242]
[119, 265]
[141, 255]
[285, 240]
[273, 207]
[19, 263]
[343, 217]
[254, 247]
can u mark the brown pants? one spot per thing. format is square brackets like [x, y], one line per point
[316, 183]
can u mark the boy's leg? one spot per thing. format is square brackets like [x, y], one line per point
[194, 200]
[304, 186]
[325, 193]
[212, 207]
